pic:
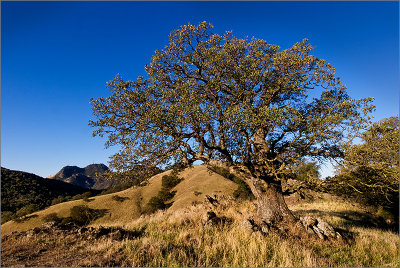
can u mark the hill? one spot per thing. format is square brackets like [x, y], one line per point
[90, 177]
[198, 182]
[25, 190]
[196, 232]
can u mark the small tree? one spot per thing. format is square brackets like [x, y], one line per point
[370, 170]
[233, 103]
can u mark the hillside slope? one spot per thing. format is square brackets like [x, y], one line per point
[198, 181]
[19, 189]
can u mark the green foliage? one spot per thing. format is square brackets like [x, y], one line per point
[119, 198]
[83, 215]
[370, 171]
[52, 217]
[308, 172]
[246, 103]
[170, 181]
[28, 209]
[161, 200]
[128, 178]
[243, 191]
[59, 199]
[7, 216]
[20, 189]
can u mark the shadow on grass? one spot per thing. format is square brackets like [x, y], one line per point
[351, 218]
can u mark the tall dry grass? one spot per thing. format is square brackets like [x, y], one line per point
[182, 238]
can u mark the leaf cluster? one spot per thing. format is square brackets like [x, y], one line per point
[213, 97]
[370, 170]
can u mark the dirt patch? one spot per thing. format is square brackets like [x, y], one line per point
[65, 246]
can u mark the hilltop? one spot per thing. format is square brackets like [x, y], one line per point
[89, 177]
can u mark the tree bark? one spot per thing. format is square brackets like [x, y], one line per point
[271, 206]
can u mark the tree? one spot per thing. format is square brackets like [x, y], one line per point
[370, 170]
[232, 103]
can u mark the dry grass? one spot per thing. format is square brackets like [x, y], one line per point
[181, 237]
[196, 179]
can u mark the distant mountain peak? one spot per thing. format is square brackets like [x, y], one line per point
[90, 177]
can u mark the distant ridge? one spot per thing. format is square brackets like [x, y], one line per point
[89, 177]
[19, 189]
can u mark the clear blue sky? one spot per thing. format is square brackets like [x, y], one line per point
[55, 56]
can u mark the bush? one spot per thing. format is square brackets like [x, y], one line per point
[52, 217]
[170, 181]
[83, 215]
[119, 198]
[58, 200]
[27, 210]
[243, 191]
[7, 216]
[160, 201]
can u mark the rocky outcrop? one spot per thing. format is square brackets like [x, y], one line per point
[90, 177]
[319, 227]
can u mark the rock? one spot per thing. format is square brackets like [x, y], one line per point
[247, 225]
[319, 227]
[326, 229]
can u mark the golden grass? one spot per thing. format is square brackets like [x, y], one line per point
[197, 179]
[180, 236]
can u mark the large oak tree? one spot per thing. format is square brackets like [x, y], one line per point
[241, 104]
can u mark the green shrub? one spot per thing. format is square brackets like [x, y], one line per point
[58, 200]
[170, 181]
[7, 216]
[119, 198]
[51, 217]
[27, 210]
[83, 215]
[243, 191]
[161, 200]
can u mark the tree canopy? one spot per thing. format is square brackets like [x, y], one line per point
[216, 98]
[370, 170]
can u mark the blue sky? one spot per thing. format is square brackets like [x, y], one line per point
[55, 56]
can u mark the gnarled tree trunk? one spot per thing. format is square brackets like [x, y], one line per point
[271, 206]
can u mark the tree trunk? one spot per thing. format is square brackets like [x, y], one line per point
[271, 206]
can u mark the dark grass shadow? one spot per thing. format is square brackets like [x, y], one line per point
[352, 219]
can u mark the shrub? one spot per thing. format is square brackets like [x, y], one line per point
[27, 210]
[243, 191]
[7, 216]
[58, 200]
[51, 217]
[119, 198]
[170, 181]
[83, 215]
[160, 201]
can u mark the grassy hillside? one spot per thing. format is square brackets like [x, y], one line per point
[182, 236]
[197, 183]
[21, 189]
